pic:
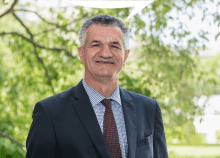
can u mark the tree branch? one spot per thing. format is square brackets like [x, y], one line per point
[55, 24]
[11, 139]
[51, 29]
[25, 10]
[45, 31]
[10, 9]
[35, 52]
[28, 31]
[45, 69]
[37, 45]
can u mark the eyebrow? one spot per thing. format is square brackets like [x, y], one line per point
[95, 41]
[117, 43]
[98, 41]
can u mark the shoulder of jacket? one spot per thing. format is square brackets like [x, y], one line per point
[140, 97]
[59, 96]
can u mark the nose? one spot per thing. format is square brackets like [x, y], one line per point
[105, 52]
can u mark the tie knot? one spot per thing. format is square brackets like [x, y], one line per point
[106, 103]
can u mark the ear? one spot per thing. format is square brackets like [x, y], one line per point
[81, 54]
[126, 53]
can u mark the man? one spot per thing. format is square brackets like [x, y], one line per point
[97, 118]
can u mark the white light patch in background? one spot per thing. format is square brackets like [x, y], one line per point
[138, 5]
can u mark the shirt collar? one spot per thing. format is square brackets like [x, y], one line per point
[95, 97]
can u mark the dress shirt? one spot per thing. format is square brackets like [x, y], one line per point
[95, 98]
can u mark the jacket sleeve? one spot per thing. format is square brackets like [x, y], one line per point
[41, 141]
[159, 141]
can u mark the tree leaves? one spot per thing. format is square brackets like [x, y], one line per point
[216, 37]
[44, 61]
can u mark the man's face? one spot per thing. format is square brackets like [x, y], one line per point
[103, 53]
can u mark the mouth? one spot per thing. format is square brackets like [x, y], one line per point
[104, 62]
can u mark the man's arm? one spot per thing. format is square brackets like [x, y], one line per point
[41, 141]
[160, 147]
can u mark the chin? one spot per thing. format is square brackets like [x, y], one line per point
[108, 75]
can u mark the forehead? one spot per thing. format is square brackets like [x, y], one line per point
[99, 32]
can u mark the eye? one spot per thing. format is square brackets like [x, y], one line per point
[95, 45]
[115, 46]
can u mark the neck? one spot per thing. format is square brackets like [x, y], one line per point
[104, 86]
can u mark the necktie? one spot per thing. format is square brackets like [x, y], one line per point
[110, 130]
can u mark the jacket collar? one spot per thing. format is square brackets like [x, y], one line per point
[87, 115]
[95, 97]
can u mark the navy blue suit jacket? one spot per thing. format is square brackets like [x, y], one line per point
[65, 126]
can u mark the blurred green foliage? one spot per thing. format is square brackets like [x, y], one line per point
[39, 59]
[194, 151]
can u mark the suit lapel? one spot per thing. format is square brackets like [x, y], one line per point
[88, 118]
[130, 116]
[87, 115]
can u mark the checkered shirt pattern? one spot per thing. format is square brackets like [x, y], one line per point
[99, 109]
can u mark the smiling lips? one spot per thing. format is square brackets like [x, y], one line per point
[104, 62]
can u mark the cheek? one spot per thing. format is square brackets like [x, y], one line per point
[120, 58]
[90, 59]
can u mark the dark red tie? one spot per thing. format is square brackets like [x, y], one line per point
[110, 130]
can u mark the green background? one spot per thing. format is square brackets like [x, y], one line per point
[39, 59]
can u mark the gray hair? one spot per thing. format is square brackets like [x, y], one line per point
[105, 20]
